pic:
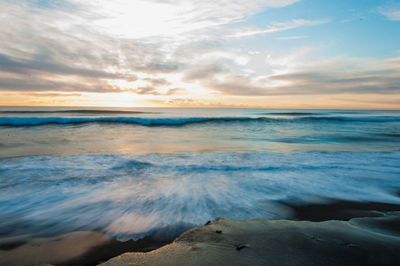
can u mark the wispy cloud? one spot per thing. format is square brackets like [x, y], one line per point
[91, 46]
[141, 19]
[43, 64]
[390, 12]
[292, 37]
[276, 27]
[149, 90]
[354, 77]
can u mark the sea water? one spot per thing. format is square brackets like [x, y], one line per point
[131, 172]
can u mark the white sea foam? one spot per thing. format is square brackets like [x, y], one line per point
[133, 195]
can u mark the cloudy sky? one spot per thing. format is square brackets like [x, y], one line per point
[219, 53]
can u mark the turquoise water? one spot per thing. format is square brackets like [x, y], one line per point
[132, 172]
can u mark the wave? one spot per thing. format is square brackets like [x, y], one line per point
[37, 121]
[128, 195]
[291, 114]
[391, 135]
[355, 118]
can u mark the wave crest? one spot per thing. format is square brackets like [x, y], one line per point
[37, 121]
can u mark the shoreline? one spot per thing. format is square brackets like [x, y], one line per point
[360, 241]
[92, 248]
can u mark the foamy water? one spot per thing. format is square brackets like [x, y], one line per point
[130, 174]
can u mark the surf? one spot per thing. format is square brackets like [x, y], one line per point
[180, 121]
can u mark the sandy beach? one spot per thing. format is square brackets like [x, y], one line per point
[329, 233]
[360, 241]
[363, 234]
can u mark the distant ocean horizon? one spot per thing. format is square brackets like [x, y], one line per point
[131, 172]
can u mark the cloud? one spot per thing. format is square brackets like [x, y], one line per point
[143, 19]
[356, 76]
[205, 71]
[43, 64]
[291, 37]
[87, 46]
[158, 81]
[149, 90]
[36, 84]
[366, 82]
[391, 13]
[276, 27]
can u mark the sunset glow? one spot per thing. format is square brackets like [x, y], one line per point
[272, 54]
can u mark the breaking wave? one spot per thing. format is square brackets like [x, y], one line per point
[144, 121]
[131, 196]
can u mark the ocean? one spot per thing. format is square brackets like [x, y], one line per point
[132, 172]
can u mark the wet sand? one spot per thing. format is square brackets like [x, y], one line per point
[340, 210]
[368, 234]
[77, 248]
[52, 250]
[360, 241]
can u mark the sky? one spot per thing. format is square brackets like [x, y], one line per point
[211, 53]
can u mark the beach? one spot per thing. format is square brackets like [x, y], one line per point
[263, 242]
[84, 186]
[245, 132]
[332, 233]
